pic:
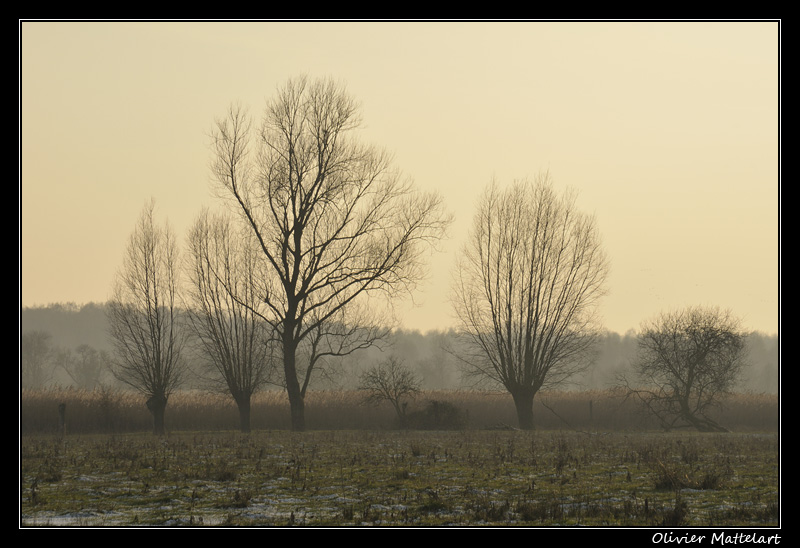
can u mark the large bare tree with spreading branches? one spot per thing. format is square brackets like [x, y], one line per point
[143, 316]
[688, 361]
[526, 290]
[340, 232]
[234, 345]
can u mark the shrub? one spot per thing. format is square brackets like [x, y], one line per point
[438, 415]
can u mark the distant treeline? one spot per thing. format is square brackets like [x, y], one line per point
[426, 354]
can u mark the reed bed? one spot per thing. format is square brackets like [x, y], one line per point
[107, 411]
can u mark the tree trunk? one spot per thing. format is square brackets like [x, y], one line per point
[523, 401]
[243, 403]
[700, 423]
[297, 410]
[157, 405]
[400, 409]
[296, 403]
[62, 419]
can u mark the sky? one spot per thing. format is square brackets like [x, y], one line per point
[668, 131]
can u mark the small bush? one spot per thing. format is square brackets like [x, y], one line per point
[677, 515]
[669, 477]
[438, 415]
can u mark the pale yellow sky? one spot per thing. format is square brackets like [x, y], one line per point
[669, 131]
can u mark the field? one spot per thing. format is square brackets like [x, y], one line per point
[476, 475]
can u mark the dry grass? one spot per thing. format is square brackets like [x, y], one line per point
[591, 461]
[402, 478]
[120, 411]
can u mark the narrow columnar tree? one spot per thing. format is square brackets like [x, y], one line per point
[526, 290]
[143, 316]
[233, 343]
[335, 223]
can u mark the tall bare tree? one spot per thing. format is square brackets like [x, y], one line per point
[688, 361]
[143, 316]
[335, 222]
[233, 341]
[526, 290]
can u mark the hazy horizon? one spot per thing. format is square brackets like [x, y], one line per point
[668, 131]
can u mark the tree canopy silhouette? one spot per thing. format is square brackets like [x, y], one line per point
[336, 225]
[688, 359]
[526, 290]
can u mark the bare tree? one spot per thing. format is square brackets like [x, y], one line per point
[688, 360]
[143, 316]
[336, 225]
[354, 327]
[233, 342]
[526, 290]
[390, 381]
[36, 356]
[85, 366]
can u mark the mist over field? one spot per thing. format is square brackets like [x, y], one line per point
[426, 353]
